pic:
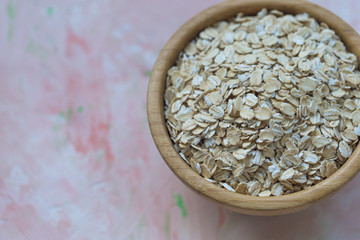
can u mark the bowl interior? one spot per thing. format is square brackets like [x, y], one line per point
[155, 106]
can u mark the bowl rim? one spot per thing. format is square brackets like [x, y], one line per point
[273, 205]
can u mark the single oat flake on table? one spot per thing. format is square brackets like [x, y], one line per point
[264, 105]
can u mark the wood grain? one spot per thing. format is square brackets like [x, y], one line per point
[155, 107]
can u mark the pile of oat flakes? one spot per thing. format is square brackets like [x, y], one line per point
[264, 105]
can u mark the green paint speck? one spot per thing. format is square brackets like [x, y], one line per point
[142, 222]
[180, 203]
[11, 12]
[80, 109]
[36, 27]
[69, 113]
[138, 231]
[132, 194]
[50, 10]
[167, 225]
[66, 114]
[148, 73]
[36, 49]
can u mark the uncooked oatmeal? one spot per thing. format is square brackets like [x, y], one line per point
[264, 105]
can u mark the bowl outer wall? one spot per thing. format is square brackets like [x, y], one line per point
[155, 106]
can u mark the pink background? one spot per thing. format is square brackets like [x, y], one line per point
[77, 160]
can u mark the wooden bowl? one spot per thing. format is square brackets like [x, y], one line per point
[155, 106]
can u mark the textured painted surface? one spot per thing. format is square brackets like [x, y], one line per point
[76, 157]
